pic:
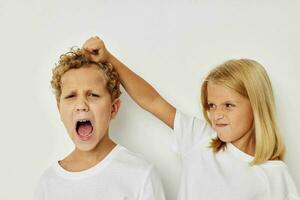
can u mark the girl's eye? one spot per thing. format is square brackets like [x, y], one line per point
[228, 105]
[211, 106]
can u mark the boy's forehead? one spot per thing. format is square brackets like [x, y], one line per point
[87, 76]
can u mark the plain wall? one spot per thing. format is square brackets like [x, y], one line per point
[171, 44]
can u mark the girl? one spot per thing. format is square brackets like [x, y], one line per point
[237, 153]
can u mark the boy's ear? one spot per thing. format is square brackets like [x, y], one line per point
[58, 108]
[115, 106]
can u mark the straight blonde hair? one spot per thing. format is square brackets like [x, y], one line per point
[249, 79]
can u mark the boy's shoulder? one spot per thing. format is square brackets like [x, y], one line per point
[132, 159]
[120, 159]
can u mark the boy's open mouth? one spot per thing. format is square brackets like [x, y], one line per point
[84, 129]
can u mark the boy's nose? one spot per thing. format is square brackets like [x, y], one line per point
[82, 109]
[82, 106]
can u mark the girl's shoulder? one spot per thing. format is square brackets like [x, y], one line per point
[278, 177]
[274, 168]
[274, 163]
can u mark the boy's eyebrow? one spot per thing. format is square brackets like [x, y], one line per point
[71, 92]
[87, 91]
[94, 90]
[68, 93]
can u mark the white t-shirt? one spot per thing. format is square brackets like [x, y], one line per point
[122, 175]
[227, 174]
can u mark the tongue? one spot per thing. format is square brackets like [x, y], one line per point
[85, 129]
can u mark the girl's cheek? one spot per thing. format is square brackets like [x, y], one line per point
[211, 117]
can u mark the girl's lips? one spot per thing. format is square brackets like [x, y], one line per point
[221, 125]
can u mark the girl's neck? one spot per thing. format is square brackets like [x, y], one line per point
[246, 143]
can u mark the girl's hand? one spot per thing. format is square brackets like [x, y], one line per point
[94, 50]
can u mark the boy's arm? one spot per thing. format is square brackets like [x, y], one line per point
[139, 90]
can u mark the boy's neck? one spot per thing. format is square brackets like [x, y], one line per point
[100, 151]
[81, 160]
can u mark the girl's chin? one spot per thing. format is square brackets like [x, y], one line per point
[224, 138]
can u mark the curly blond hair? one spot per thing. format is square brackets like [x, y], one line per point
[75, 59]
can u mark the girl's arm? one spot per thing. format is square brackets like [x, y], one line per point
[139, 90]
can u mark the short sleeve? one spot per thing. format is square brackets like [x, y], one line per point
[290, 185]
[280, 183]
[152, 188]
[189, 131]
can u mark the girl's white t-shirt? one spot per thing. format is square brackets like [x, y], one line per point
[225, 175]
[122, 175]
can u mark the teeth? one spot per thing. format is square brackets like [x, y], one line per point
[83, 120]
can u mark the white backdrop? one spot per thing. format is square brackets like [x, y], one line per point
[172, 44]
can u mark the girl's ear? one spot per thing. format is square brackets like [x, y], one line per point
[115, 107]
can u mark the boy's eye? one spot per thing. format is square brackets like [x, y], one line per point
[93, 95]
[69, 96]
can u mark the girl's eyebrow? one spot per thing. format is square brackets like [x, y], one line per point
[230, 101]
[209, 101]
[225, 102]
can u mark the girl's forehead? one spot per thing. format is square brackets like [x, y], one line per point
[217, 92]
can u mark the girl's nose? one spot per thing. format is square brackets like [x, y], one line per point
[218, 117]
[219, 114]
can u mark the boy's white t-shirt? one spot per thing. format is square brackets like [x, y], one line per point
[122, 175]
[227, 174]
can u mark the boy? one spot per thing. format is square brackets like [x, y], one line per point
[87, 95]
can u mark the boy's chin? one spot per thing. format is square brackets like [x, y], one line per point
[92, 144]
[85, 147]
